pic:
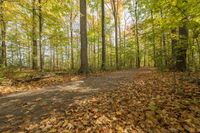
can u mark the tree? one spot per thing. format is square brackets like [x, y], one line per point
[103, 67]
[34, 39]
[181, 50]
[40, 34]
[115, 13]
[136, 36]
[83, 32]
[153, 39]
[141, 39]
[3, 35]
[71, 35]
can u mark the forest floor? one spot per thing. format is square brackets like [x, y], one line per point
[134, 101]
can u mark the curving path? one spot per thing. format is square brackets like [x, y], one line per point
[19, 108]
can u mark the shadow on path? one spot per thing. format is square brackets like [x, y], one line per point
[20, 108]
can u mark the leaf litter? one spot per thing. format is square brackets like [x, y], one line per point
[150, 103]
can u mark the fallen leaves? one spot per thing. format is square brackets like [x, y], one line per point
[8, 88]
[147, 104]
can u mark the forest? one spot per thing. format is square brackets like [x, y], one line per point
[124, 66]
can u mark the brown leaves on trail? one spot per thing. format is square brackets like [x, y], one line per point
[34, 85]
[148, 104]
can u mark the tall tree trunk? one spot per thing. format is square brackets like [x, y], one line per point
[136, 36]
[12, 53]
[71, 37]
[164, 44]
[116, 32]
[40, 34]
[174, 42]
[3, 36]
[67, 53]
[124, 51]
[34, 40]
[181, 50]
[98, 49]
[20, 56]
[164, 49]
[120, 41]
[94, 45]
[153, 40]
[111, 59]
[43, 53]
[54, 58]
[57, 58]
[83, 32]
[145, 49]
[198, 45]
[181, 63]
[30, 54]
[103, 67]
[62, 59]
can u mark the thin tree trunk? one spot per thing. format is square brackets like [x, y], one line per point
[124, 51]
[136, 36]
[145, 50]
[40, 34]
[20, 56]
[111, 59]
[67, 47]
[54, 58]
[43, 57]
[94, 45]
[164, 45]
[103, 67]
[174, 43]
[12, 54]
[116, 32]
[57, 58]
[3, 35]
[164, 49]
[71, 38]
[198, 45]
[98, 49]
[34, 40]
[153, 41]
[120, 42]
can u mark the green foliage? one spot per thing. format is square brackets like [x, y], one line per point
[155, 18]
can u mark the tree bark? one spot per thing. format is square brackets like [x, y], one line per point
[34, 40]
[120, 41]
[174, 43]
[94, 45]
[136, 36]
[3, 36]
[164, 44]
[71, 38]
[83, 32]
[198, 45]
[40, 34]
[181, 50]
[153, 40]
[181, 63]
[116, 32]
[103, 67]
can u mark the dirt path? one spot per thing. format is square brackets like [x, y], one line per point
[17, 109]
